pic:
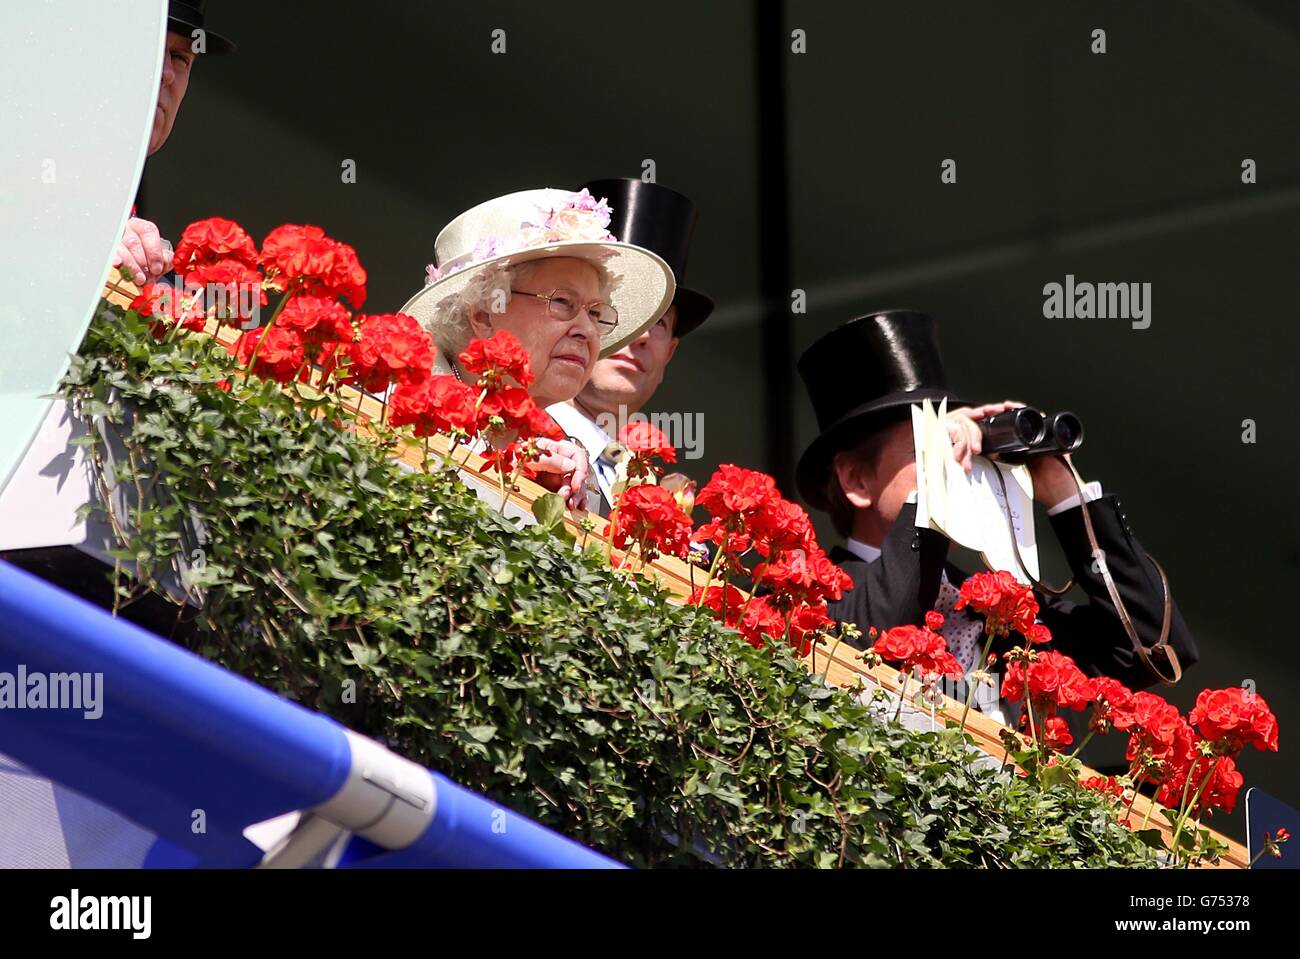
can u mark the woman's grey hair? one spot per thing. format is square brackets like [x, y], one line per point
[488, 290]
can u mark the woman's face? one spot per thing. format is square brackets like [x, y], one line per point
[562, 352]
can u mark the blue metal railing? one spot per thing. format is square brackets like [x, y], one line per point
[178, 739]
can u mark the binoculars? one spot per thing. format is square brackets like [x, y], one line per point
[1017, 435]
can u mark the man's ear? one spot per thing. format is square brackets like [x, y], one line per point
[855, 480]
[672, 348]
[480, 323]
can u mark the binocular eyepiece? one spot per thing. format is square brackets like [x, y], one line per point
[1017, 435]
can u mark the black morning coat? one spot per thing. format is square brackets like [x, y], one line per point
[902, 584]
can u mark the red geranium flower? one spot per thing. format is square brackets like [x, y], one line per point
[209, 241]
[1038, 634]
[223, 286]
[506, 459]
[1005, 603]
[1157, 731]
[649, 516]
[492, 360]
[735, 541]
[917, 647]
[761, 620]
[898, 645]
[646, 442]
[302, 259]
[1111, 702]
[1220, 792]
[803, 576]
[935, 660]
[438, 404]
[736, 498]
[164, 306]
[1233, 718]
[735, 492]
[319, 320]
[1054, 681]
[1109, 785]
[781, 525]
[1055, 733]
[512, 405]
[541, 423]
[279, 358]
[806, 622]
[725, 601]
[389, 347]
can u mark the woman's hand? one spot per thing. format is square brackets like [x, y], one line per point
[562, 467]
[964, 431]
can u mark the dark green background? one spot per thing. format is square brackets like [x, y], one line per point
[1123, 167]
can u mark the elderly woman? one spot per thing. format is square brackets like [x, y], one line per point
[543, 265]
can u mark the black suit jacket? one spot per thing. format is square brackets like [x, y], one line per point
[901, 586]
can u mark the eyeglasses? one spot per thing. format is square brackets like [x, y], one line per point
[565, 305]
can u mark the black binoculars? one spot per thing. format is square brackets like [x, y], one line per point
[1016, 435]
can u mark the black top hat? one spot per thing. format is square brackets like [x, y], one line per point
[186, 16]
[862, 376]
[661, 220]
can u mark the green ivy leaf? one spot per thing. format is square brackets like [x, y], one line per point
[1056, 775]
[549, 510]
[1151, 837]
[481, 734]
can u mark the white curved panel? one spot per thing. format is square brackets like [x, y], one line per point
[78, 86]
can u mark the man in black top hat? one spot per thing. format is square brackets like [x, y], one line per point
[142, 253]
[863, 379]
[660, 220]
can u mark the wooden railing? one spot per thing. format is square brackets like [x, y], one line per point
[840, 664]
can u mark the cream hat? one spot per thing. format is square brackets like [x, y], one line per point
[533, 224]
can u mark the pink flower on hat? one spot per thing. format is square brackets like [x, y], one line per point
[579, 217]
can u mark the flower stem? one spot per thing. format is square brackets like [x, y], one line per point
[612, 524]
[1151, 807]
[902, 695]
[713, 568]
[1189, 806]
[257, 347]
[970, 693]
[753, 591]
[1029, 711]
[1137, 791]
[1083, 742]
[830, 656]
[501, 478]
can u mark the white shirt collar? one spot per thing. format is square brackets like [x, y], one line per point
[863, 551]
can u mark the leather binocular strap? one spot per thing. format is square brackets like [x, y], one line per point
[1144, 653]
